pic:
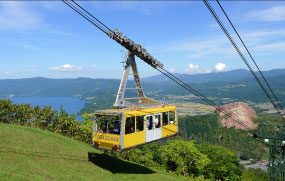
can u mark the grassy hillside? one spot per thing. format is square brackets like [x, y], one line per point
[32, 154]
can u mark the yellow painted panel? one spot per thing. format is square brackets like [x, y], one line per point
[133, 139]
[105, 140]
[169, 130]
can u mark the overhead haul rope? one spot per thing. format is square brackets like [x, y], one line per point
[80, 10]
[76, 7]
[200, 95]
[241, 55]
[266, 82]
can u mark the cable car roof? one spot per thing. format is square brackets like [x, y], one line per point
[142, 110]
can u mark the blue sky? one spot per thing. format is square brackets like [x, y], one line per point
[48, 39]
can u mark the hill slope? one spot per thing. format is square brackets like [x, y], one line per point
[32, 154]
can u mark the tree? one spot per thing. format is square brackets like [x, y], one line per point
[224, 163]
[254, 174]
[183, 158]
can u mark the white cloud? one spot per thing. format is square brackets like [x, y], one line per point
[208, 71]
[214, 26]
[51, 5]
[266, 40]
[265, 33]
[220, 67]
[16, 15]
[271, 47]
[196, 69]
[7, 72]
[58, 32]
[257, 40]
[35, 67]
[25, 45]
[66, 68]
[192, 68]
[22, 16]
[272, 14]
[171, 70]
[196, 49]
[144, 7]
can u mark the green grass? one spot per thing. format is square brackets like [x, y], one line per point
[28, 153]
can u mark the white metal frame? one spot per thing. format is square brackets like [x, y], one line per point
[121, 101]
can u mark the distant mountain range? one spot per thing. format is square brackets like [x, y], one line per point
[229, 76]
[222, 87]
[40, 86]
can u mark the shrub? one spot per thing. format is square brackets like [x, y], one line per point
[224, 163]
[254, 174]
[183, 158]
[146, 155]
[44, 118]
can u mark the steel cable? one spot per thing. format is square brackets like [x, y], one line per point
[266, 82]
[84, 15]
[160, 69]
[241, 55]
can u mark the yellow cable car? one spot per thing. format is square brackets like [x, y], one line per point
[120, 129]
[130, 124]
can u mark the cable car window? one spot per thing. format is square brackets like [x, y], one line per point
[117, 127]
[139, 123]
[157, 121]
[171, 117]
[149, 122]
[164, 118]
[130, 125]
[108, 124]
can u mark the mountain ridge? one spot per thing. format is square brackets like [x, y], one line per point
[232, 75]
[41, 86]
[227, 76]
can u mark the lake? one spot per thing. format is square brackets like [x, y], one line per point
[71, 105]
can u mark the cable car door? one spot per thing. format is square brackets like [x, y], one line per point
[153, 127]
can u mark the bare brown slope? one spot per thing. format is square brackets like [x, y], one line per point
[240, 111]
